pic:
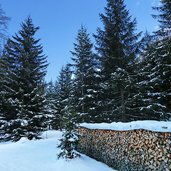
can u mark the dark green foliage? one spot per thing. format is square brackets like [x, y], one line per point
[164, 17]
[51, 96]
[3, 28]
[63, 97]
[10, 104]
[155, 70]
[69, 140]
[149, 105]
[65, 115]
[24, 107]
[117, 43]
[56, 108]
[162, 58]
[117, 47]
[85, 77]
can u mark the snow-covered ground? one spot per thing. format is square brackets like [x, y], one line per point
[41, 155]
[159, 126]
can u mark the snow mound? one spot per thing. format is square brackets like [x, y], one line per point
[158, 126]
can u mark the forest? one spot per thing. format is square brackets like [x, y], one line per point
[126, 78]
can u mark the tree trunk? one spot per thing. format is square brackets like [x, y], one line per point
[123, 106]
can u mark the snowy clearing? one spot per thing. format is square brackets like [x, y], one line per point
[41, 155]
[159, 126]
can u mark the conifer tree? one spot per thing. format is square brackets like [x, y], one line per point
[164, 17]
[2, 76]
[50, 98]
[68, 143]
[150, 107]
[55, 108]
[162, 72]
[164, 54]
[26, 97]
[66, 115]
[155, 69]
[9, 101]
[85, 77]
[117, 47]
[3, 27]
[63, 96]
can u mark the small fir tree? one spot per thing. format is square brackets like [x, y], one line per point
[69, 141]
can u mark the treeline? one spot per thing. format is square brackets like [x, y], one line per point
[127, 77]
[124, 76]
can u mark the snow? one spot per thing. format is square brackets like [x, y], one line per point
[41, 155]
[158, 126]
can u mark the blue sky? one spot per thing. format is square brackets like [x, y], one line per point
[59, 21]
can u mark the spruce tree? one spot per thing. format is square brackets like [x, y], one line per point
[162, 72]
[50, 98]
[68, 143]
[141, 101]
[164, 18]
[85, 81]
[149, 104]
[9, 101]
[117, 45]
[2, 76]
[3, 28]
[66, 116]
[63, 97]
[2, 79]
[55, 108]
[164, 54]
[26, 97]
[155, 69]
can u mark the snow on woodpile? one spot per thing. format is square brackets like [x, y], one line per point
[158, 126]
